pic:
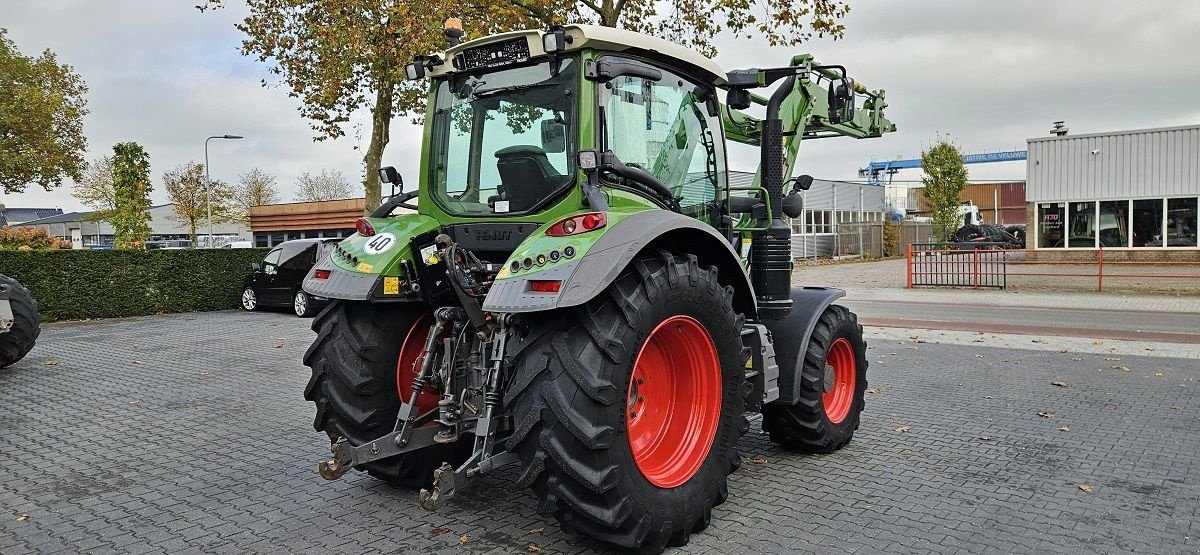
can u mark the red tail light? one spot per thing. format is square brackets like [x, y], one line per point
[575, 225]
[321, 274]
[545, 285]
[364, 227]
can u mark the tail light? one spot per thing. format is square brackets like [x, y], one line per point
[321, 274]
[575, 225]
[364, 227]
[545, 285]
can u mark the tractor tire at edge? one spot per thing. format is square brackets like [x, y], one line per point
[27, 323]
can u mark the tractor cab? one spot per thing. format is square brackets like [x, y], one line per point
[510, 114]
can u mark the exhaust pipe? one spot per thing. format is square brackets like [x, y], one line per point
[771, 251]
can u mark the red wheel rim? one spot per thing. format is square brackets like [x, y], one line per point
[674, 402]
[839, 380]
[412, 355]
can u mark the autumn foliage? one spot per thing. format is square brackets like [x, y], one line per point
[29, 238]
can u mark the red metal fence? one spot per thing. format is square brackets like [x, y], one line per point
[988, 265]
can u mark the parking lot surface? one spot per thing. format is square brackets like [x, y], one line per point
[189, 433]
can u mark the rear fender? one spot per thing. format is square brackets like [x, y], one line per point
[358, 265]
[790, 336]
[626, 236]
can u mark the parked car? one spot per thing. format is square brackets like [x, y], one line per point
[171, 244]
[276, 280]
[238, 245]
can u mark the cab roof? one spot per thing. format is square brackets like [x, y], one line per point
[600, 38]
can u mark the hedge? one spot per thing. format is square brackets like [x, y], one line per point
[78, 284]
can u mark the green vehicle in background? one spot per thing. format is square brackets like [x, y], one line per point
[580, 291]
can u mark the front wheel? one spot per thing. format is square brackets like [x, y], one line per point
[833, 383]
[628, 409]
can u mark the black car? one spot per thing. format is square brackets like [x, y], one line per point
[276, 280]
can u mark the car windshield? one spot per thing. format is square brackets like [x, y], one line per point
[503, 141]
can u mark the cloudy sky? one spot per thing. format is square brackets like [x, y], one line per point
[990, 74]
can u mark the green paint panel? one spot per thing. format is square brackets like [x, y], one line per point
[381, 253]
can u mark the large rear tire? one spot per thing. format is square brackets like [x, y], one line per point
[628, 410]
[27, 323]
[832, 389]
[354, 363]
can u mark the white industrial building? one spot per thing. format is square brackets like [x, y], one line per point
[829, 208]
[86, 232]
[1122, 190]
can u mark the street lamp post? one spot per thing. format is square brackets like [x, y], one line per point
[208, 184]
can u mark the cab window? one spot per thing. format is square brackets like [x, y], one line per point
[665, 128]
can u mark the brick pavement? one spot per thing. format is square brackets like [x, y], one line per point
[188, 433]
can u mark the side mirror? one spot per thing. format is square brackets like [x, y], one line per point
[841, 100]
[801, 182]
[416, 69]
[738, 99]
[257, 267]
[390, 175]
[554, 136]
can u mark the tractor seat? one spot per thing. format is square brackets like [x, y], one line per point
[526, 176]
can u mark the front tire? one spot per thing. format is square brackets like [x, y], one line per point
[832, 389]
[360, 350]
[628, 410]
[26, 327]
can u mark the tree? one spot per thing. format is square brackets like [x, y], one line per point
[41, 120]
[255, 188]
[340, 56]
[944, 180]
[95, 190]
[695, 23]
[328, 185]
[185, 189]
[131, 196]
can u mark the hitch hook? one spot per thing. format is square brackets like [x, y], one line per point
[335, 467]
[443, 478]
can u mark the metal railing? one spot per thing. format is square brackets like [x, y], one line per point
[990, 265]
[957, 265]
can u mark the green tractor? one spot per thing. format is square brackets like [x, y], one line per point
[580, 292]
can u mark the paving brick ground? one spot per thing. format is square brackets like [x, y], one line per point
[188, 433]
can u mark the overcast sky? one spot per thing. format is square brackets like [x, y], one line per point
[991, 74]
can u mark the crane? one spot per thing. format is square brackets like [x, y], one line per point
[875, 171]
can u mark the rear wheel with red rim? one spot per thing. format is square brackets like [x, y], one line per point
[656, 359]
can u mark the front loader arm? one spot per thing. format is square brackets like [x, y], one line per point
[805, 114]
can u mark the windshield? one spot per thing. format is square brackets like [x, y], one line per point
[503, 141]
[666, 127]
